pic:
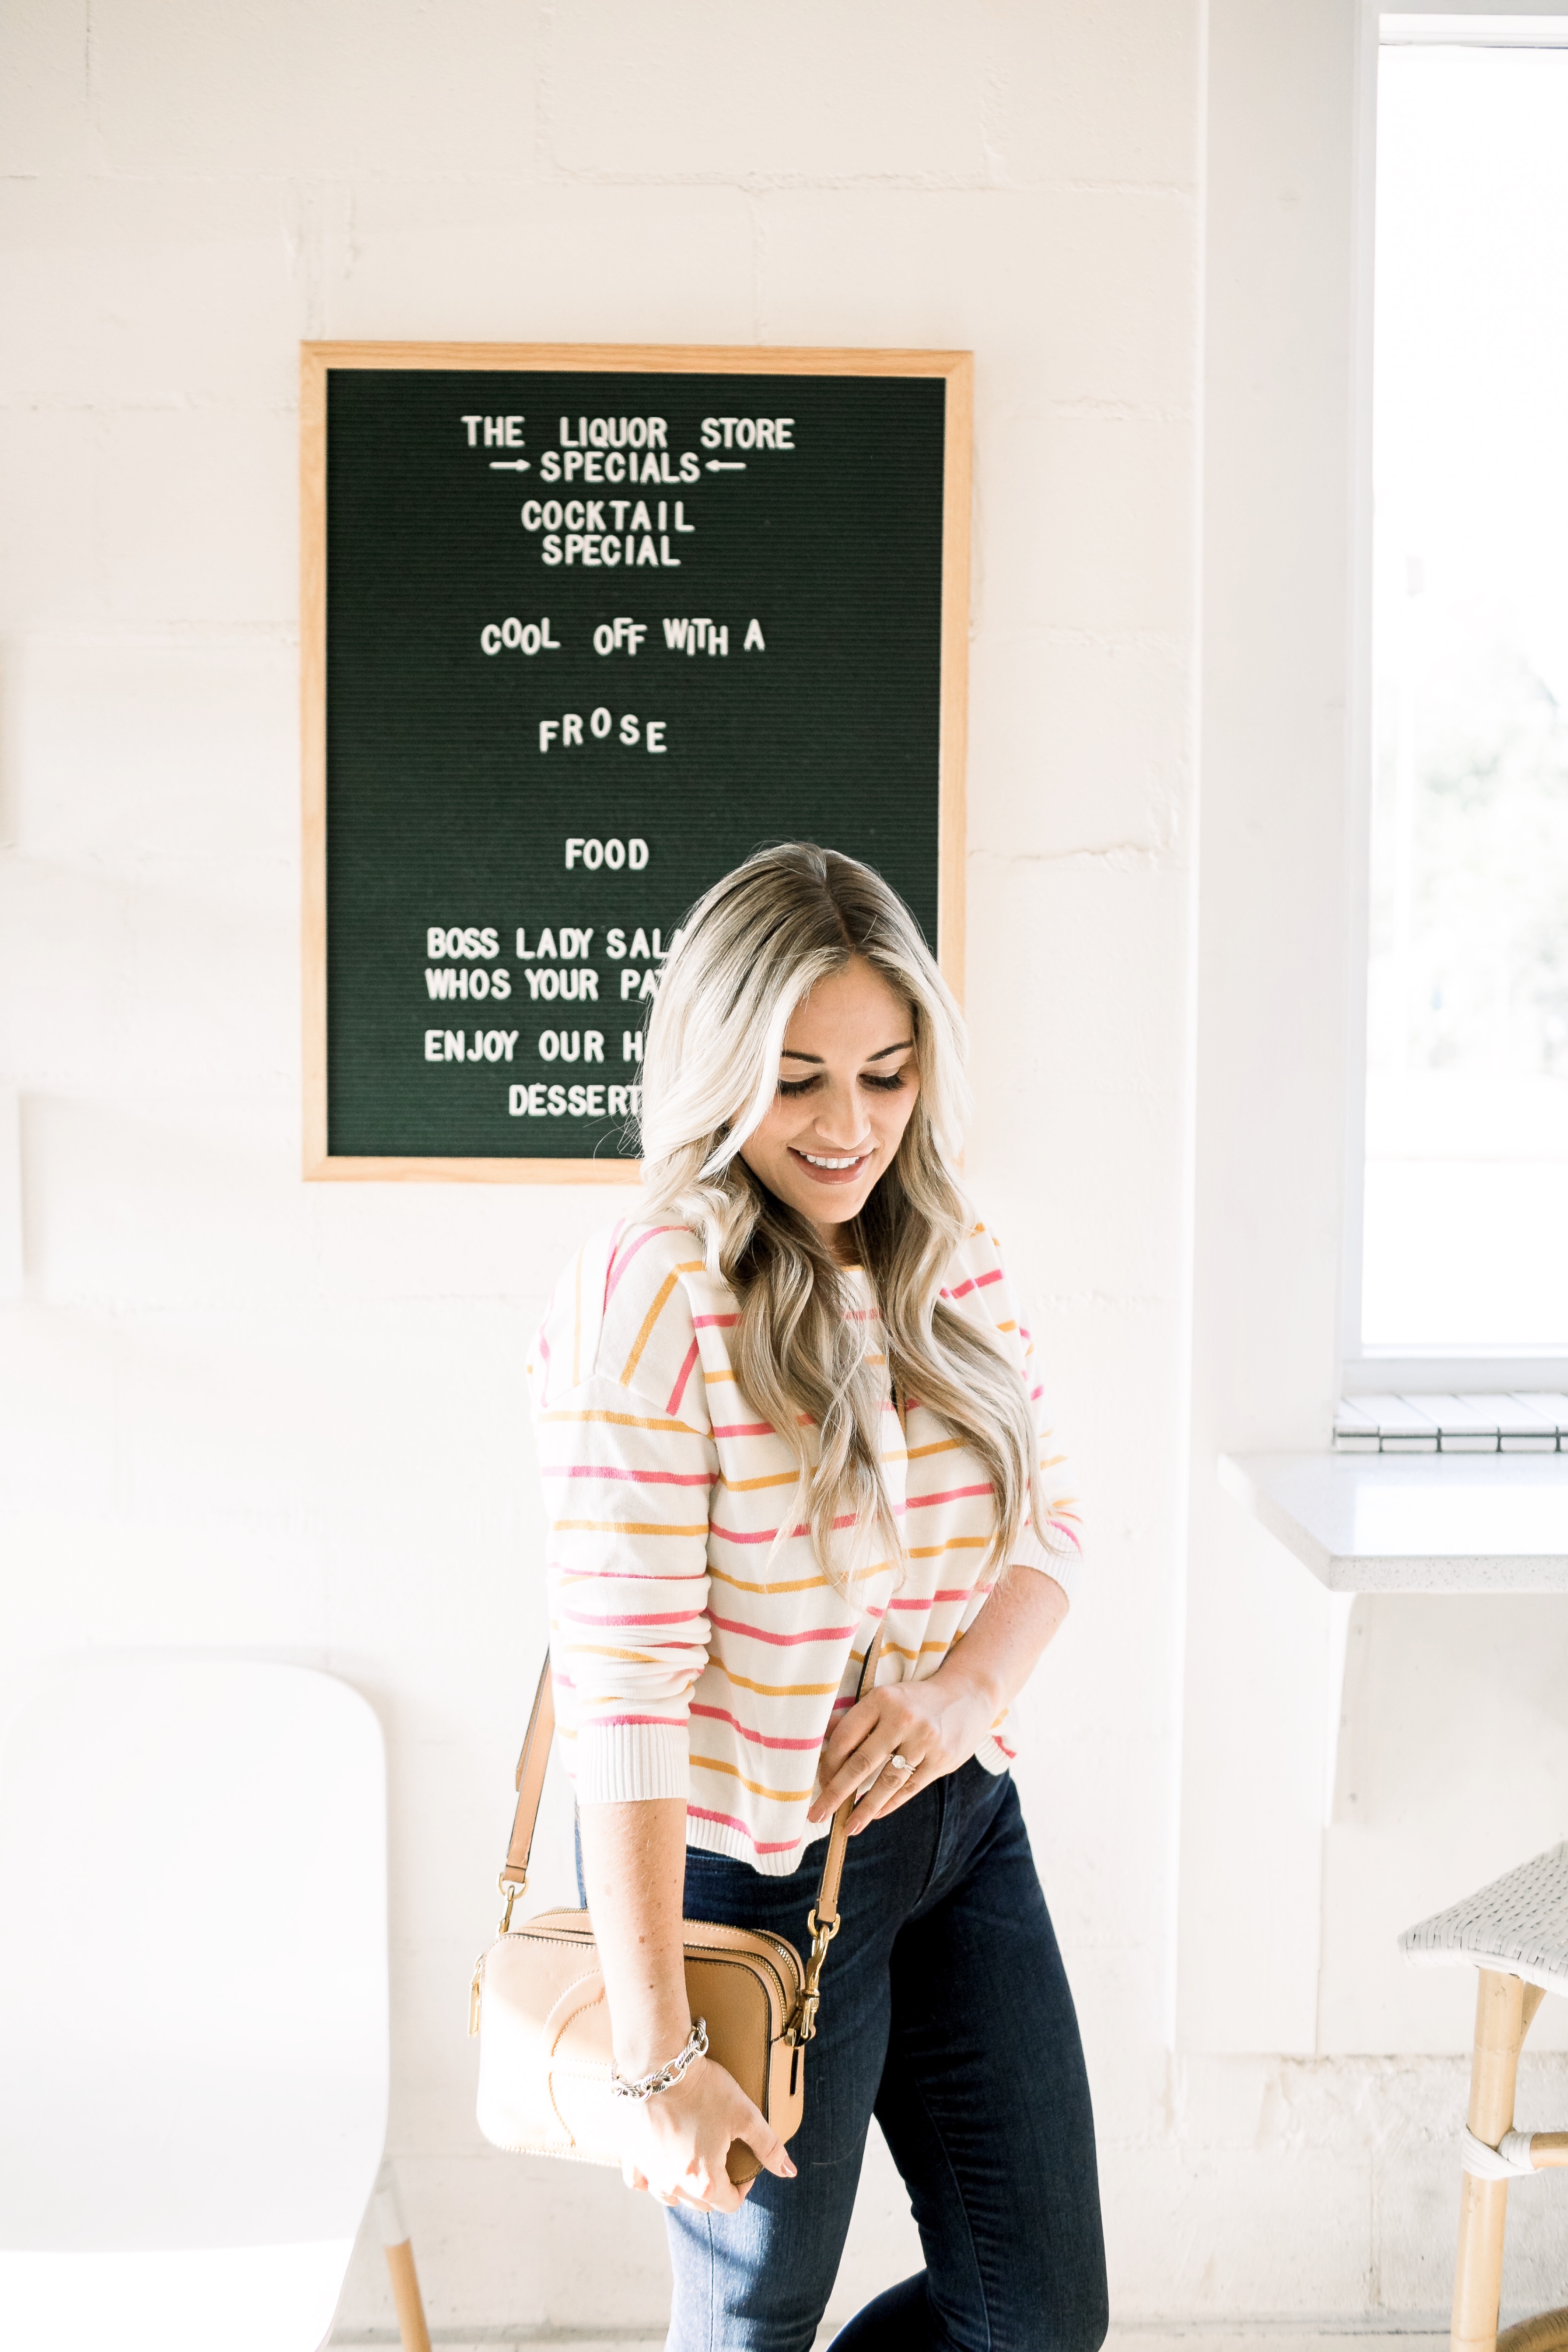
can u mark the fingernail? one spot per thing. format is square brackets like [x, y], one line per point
[790, 2169]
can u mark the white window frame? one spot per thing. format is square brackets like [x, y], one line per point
[1371, 1369]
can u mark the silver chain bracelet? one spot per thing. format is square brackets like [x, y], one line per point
[663, 2078]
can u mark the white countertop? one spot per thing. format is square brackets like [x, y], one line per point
[1421, 1523]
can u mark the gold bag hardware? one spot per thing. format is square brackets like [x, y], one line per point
[537, 2001]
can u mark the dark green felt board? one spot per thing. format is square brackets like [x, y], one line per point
[442, 810]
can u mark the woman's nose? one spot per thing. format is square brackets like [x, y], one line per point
[839, 1124]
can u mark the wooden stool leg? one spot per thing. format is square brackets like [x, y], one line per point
[1501, 2017]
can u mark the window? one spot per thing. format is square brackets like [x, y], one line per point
[1465, 1234]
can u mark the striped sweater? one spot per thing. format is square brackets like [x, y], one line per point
[692, 1656]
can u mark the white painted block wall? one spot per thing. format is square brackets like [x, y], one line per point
[242, 1413]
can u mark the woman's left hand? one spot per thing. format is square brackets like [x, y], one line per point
[901, 1737]
[896, 1741]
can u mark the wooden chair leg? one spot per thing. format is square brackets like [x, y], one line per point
[399, 2254]
[1504, 2007]
[407, 2295]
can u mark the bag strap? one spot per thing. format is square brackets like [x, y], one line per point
[529, 1782]
[823, 1919]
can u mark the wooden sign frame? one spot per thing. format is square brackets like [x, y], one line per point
[956, 369]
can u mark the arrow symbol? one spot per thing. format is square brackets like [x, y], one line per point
[509, 464]
[726, 465]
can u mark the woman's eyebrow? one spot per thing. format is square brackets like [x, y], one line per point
[790, 1053]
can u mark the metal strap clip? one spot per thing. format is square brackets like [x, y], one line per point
[804, 2023]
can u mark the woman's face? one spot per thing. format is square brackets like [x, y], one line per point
[846, 1086]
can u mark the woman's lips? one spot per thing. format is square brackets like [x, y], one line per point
[831, 1175]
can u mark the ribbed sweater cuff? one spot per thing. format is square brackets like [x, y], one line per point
[1030, 1553]
[618, 1763]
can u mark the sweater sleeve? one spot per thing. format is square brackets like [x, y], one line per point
[627, 1486]
[1054, 1548]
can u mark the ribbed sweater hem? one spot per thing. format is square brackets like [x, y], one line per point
[728, 1838]
[621, 1763]
[1063, 1565]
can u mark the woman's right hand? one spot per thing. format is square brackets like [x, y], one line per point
[676, 2144]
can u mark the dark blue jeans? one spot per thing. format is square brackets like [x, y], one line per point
[945, 2013]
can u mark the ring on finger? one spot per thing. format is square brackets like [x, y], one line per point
[898, 1763]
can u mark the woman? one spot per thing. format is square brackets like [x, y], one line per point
[790, 1399]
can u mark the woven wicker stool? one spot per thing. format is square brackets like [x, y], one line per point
[1516, 1933]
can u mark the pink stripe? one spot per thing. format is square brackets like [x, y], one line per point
[679, 1391]
[933, 1599]
[766, 1535]
[745, 1429]
[674, 1617]
[603, 1722]
[780, 1641]
[975, 1282]
[952, 1495]
[652, 1233]
[637, 1477]
[616, 1232]
[714, 1322]
[728, 1821]
[722, 1715]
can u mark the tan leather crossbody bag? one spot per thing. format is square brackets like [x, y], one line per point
[538, 2003]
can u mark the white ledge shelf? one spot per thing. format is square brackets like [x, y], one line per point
[1375, 1523]
[1413, 1523]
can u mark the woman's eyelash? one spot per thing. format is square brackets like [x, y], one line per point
[882, 1085]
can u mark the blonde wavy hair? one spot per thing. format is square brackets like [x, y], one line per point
[750, 950]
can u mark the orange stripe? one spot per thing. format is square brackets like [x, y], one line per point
[627, 1421]
[942, 1445]
[602, 1650]
[661, 1300]
[778, 1478]
[742, 1584]
[621, 1527]
[774, 1690]
[779, 1796]
[953, 1543]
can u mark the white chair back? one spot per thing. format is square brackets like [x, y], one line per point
[194, 2061]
